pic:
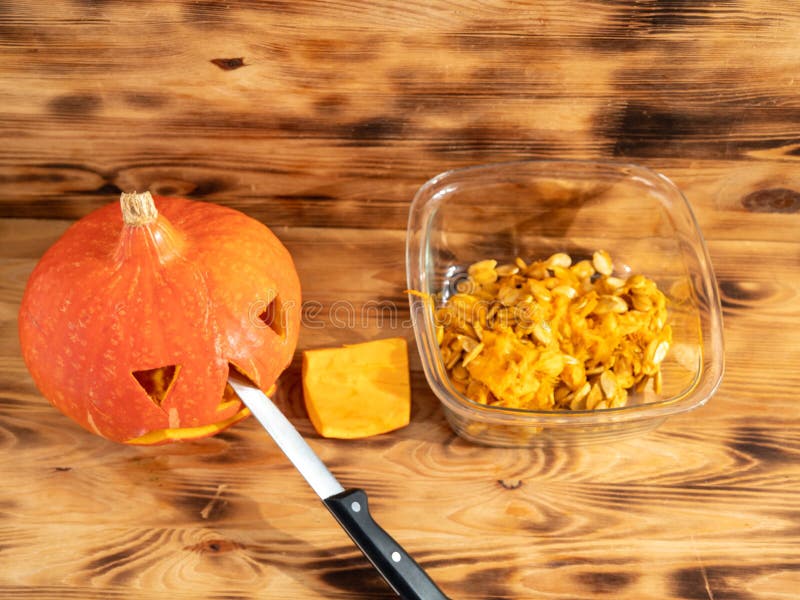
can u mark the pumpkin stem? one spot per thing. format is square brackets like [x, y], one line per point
[138, 209]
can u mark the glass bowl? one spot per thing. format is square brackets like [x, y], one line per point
[533, 209]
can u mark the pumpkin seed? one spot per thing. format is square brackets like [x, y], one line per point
[615, 283]
[472, 354]
[601, 262]
[506, 270]
[560, 259]
[543, 333]
[565, 290]
[608, 383]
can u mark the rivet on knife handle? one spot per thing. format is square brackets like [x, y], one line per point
[396, 566]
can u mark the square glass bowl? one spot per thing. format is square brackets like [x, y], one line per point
[531, 210]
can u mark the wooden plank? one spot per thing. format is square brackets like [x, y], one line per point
[297, 137]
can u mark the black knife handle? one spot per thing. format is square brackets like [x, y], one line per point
[406, 577]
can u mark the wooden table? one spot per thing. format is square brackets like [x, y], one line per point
[322, 119]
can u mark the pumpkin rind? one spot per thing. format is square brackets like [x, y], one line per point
[108, 299]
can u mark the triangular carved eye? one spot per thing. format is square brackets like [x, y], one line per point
[157, 382]
[274, 316]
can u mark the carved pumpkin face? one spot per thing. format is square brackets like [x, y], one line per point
[130, 326]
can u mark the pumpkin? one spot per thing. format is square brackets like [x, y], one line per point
[359, 390]
[131, 321]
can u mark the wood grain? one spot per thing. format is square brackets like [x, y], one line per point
[322, 119]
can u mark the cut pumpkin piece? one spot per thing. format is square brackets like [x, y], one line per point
[358, 390]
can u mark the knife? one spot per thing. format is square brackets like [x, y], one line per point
[348, 506]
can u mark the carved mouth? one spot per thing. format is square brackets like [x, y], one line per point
[158, 382]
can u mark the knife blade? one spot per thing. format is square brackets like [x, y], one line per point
[349, 506]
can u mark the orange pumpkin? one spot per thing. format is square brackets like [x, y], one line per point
[132, 319]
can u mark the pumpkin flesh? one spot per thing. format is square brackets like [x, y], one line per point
[358, 390]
